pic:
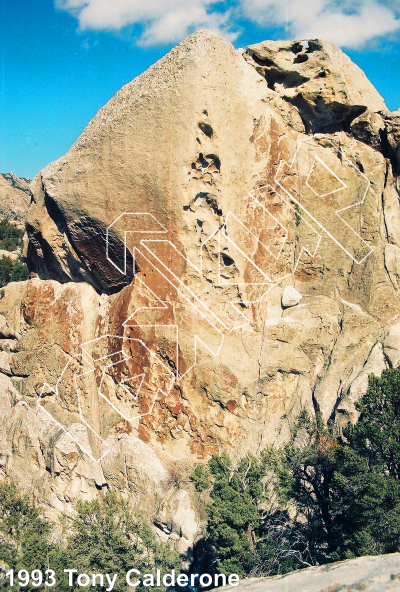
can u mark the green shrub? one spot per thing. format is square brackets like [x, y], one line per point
[251, 534]
[20, 272]
[343, 492]
[10, 240]
[10, 236]
[25, 533]
[103, 536]
[12, 271]
[106, 536]
[200, 478]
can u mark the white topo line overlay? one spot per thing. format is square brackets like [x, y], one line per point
[145, 223]
[280, 178]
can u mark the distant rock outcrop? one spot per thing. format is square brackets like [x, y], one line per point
[15, 197]
[165, 243]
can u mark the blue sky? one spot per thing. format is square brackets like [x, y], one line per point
[61, 63]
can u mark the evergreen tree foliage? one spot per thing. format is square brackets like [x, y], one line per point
[103, 536]
[107, 537]
[233, 511]
[12, 271]
[323, 497]
[10, 236]
[376, 436]
[250, 528]
[24, 533]
[10, 240]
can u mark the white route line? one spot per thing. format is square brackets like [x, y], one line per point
[337, 212]
[269, 282]
[186, 288]
[344, 186]
[154, 226]
[162, 230]
[42, 398]
[197, 338]
[90, 360]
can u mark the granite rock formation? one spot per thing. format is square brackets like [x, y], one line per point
[369, 574]
[154, 331]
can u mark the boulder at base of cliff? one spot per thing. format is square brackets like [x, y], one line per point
[369, 574]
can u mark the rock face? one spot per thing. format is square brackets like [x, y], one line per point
[37, 450]
[15, 197]
[153, 333]
[369, 574]
[328, 89]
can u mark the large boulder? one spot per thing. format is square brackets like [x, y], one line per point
[162, 244]
[316, 76]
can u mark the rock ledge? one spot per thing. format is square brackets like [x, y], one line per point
[369, 574]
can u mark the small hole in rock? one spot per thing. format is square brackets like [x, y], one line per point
[300, 58]
[211, 200]
[227, 260]
[313, 46]
[215, 159]
[206, 129]
[297, 47]
[263, 61]
[204, 163]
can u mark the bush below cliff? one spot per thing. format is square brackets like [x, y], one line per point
[102, 536]
[12, 271]
[323, 497]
